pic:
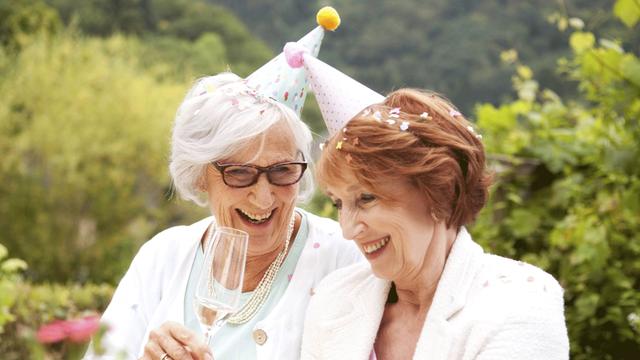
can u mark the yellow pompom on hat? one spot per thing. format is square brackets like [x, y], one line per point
[328, 18]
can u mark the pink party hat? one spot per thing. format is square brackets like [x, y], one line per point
[339, 97]
[277, 80]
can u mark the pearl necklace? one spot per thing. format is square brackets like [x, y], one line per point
[261, 292]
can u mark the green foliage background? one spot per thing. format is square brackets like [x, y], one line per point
[88, 90]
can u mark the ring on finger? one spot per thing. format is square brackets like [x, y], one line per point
[165, 356]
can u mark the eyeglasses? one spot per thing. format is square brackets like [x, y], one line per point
[244, 175]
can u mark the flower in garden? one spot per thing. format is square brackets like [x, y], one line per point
[78, 330]
[81, 330]
[52, 332]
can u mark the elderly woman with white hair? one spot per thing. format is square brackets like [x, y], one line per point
[239, 147]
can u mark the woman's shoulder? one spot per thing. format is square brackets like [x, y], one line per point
[509, 275]
[353, 278]
[175, 238]
[509, 288]
[321, 225]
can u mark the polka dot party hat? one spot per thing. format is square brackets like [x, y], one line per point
[339, 97]
[288, 85]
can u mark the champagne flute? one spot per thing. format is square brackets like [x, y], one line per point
[220, 283]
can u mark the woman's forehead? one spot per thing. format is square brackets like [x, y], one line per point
[266, 150]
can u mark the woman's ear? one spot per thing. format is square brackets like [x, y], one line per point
[201, 184]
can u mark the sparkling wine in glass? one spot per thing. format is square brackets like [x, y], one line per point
[220, 282]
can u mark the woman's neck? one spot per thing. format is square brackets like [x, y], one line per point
[418, 290]
[257, 265]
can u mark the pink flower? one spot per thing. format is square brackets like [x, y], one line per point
[52, 332]
[81, 330]
[78, 330]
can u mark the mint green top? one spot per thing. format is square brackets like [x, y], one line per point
[233, 342]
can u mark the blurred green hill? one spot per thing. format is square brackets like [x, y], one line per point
[450, 46]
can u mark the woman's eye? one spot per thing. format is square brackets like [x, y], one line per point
[367, 198]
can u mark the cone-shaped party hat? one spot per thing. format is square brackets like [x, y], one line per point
[339, 97]
[287, 85]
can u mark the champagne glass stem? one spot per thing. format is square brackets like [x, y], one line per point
[212, 331]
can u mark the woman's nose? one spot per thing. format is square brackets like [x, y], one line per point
[352, 227]
[262, 193]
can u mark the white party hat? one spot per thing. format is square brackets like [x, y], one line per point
[339, 96]
[277, 80]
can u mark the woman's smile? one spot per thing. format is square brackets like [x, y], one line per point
[374, 249]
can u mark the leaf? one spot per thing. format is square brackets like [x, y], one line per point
[576, 23]
[628, 11]
[582, 41]
[13, 265]
[525, 72]
[630, 68]
[3, 252]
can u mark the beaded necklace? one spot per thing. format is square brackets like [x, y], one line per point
[261, 292]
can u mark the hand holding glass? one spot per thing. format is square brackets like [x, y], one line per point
[220, 282]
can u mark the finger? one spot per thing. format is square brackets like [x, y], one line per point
[152, 351]
[176, 350]
[191, 340]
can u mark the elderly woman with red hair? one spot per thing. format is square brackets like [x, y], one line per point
[406, 176]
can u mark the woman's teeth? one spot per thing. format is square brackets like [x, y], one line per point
[256, 218]
[375, 246]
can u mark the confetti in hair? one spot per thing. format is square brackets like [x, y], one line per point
[404, 126]
[454, 113]
[349, 158]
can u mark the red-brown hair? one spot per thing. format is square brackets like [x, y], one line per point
[438, 153]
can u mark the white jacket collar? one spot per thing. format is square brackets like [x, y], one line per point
[361, 312]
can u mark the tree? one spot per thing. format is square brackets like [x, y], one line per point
[568, 186]
[84, 136]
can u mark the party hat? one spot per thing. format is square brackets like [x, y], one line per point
[339, 97]
[277, 80]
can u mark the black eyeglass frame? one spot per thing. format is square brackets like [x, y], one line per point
[261, 169]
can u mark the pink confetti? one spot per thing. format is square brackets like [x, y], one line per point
[316, 245]
[454, 113]
[395, 111]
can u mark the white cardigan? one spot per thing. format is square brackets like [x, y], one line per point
[485, 307]
[153, 289]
